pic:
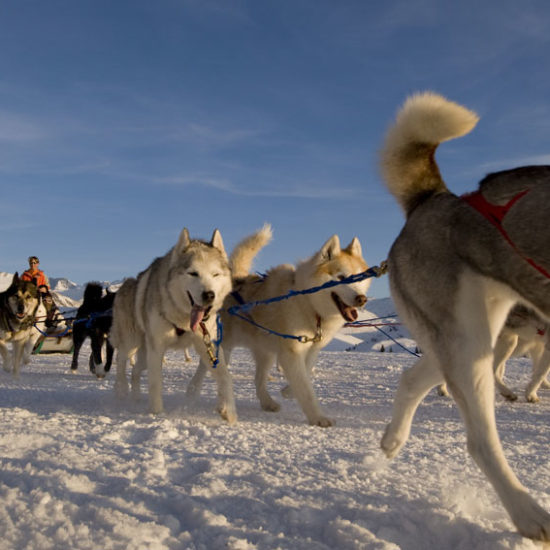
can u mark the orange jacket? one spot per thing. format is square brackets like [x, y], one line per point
[38, 278]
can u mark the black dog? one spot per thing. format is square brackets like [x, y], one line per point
[93, 319]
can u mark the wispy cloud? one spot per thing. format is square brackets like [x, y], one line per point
[204, 134]
[507, 163]
[297, 189]
[20, 129]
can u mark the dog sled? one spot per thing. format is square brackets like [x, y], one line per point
[56, 336]
[63, 344]
[54, 344]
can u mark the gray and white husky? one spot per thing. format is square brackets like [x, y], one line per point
[456, 269]
[316, 317]
[18, 307]
[173, 304]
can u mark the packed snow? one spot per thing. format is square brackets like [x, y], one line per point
[83, 470]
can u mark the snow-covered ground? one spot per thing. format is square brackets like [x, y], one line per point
[81, 470]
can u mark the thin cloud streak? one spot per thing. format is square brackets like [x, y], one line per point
[300, 190]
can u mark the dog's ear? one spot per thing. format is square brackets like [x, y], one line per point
[217, 242]
[354, 248]
[15, 279]
[330, 249]
[183, 242]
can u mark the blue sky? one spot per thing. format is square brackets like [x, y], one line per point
[123, 121]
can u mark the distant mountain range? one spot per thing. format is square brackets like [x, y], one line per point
[377, 329]
[65, 293]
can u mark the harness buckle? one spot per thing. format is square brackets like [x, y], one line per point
[209, 345]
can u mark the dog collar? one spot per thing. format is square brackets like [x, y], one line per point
[318, 333]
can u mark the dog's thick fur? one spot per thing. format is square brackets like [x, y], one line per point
[93, 319]
[18, 306]
[170, 305]
[524, 333]
[454, 279]
[306, 315]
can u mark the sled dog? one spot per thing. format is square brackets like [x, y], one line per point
[524, 333]
[173, 304]
[316, 317]
[18, 306]
[456, 269]
[93, 319]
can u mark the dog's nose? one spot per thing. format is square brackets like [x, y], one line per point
[208, 297]
[360, 300]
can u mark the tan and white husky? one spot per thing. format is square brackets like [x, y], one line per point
[314, 317]
[524, 333]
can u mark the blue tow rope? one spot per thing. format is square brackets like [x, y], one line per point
[237, 310]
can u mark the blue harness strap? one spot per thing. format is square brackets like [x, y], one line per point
[238, 310]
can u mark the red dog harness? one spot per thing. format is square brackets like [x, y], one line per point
[495, 214]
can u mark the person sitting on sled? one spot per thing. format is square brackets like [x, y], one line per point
[36, 276]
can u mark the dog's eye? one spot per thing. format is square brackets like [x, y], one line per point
[193, 274]
[215, 274]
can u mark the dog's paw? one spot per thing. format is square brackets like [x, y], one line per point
[229, 416]
[531, 520]
[442, 390]
[391, 443]
[99, 372]
[156, 409]
[323, 422]
[508, 394]
[532, 397]
[270, 405]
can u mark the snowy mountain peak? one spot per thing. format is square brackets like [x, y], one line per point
[62, 284]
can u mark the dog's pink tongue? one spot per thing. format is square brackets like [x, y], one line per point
[197, 313]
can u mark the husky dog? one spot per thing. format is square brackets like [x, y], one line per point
[93, 320]
[18, 306]
[173, 304]
[316, 317]
[455, 273]
[523, 333]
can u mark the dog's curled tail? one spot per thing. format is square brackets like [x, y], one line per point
[244, 252]
[407, 159]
